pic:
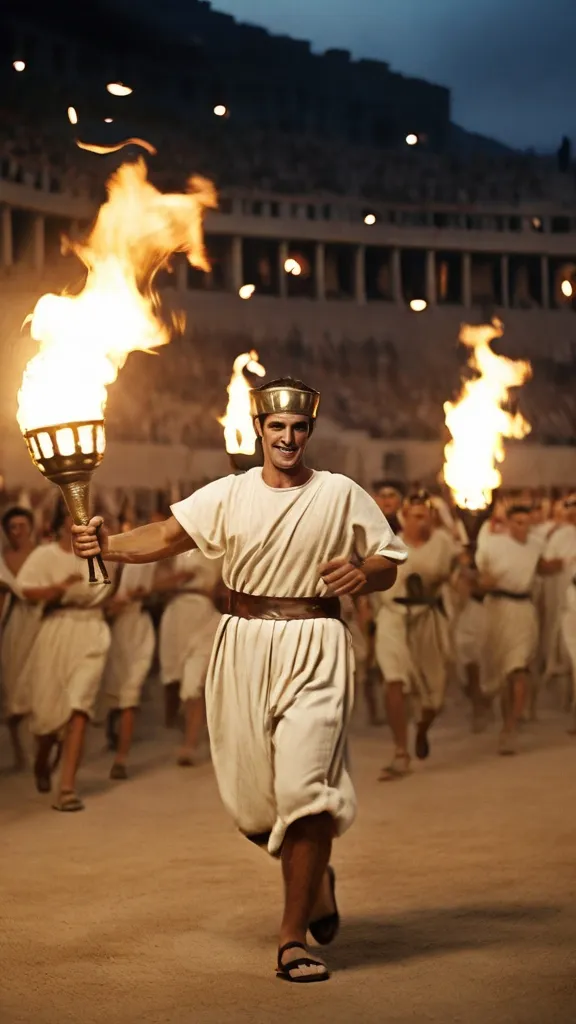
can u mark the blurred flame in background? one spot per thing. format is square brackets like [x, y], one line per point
[478, 422]
[239, 433]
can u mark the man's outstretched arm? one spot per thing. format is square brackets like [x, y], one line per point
[148, 543]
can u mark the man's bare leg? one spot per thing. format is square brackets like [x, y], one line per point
[513, 704]
[371, 681]
[125, 734]
[305, 857]
[171, 703]
[71, 757]
[194, 718]
[13, 723]
[480, 704]
[397, 719]
[422, 745]
[43, 762]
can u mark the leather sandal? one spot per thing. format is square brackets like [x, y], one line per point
[283, 971]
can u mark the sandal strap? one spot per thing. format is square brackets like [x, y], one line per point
[301, 961]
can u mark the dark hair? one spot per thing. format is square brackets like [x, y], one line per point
[59, 516]
[419, 497]
[16, 510]
[518, 509]
[393, 485]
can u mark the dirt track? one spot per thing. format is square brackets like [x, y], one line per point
[457, 888]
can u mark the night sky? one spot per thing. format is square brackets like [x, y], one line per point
[511, 64]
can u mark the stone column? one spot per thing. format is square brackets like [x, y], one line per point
[282, 275]
[360, 275]
[320, 271]
[396, 271]
[545, 281]
[7, 256]
[39, 242]
[237, 265]
[505, 279]
[431, 277]
[466, 280]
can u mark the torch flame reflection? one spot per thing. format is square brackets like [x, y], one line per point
[477, 421]
[239, 433]
[85, 339]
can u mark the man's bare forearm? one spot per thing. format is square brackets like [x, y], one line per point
[380, 574]
[149, 543]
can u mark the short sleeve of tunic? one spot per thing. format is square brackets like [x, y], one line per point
[38, 569]
[372, 532]
[203, 516]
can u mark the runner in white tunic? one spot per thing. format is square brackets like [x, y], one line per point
[130, 656]
[559, 552]
[19, 623]
[187, 632]
[68, 658]
[507, 564]
[279, 690]
[413, 633]
[568, 625]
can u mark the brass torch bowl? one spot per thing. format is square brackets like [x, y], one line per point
[67, 454]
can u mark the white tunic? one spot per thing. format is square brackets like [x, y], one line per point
[561, 545]
[413, 642]
[568, 625]
[68, 657]
[189, 625]
[279, 693]
[133, 641]
[20, 623]
[511, 625]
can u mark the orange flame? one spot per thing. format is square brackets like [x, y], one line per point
[477, 421]
[85, 339]
[239, 433]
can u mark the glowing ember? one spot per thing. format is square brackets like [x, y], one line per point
[103, 150]
[119, 89]
[477, 421]
[85, 339]
[239, 433]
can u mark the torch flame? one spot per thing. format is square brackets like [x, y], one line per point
[477, 421]
[85, 339]
[239, 433]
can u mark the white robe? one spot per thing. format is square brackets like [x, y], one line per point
[568, 626]
[132, 642]
[279, 693]
[189, 625]
[511, 639]
[19, 626]
[69, 654]
[413, 644]
[560, 545]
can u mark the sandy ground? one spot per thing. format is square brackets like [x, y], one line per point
[457, 888]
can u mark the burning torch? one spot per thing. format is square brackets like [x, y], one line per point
[239, 433]
[478, 422]
[84, 339]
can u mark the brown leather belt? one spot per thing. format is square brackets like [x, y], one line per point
[252, 606]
